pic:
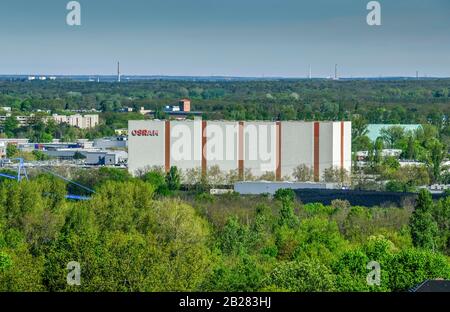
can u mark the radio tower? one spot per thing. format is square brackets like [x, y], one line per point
[118, 71]
[336, 72]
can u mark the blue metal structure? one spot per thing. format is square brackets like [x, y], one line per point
[22, 174]
[21, 171]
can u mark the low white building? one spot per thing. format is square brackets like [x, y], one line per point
[111, 143]
[362, 155]
[5, 142]
[264, 187]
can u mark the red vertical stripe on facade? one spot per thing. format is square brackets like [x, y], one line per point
[342, 145]
[204, 163]
[167, 146]
[278, 152]
[316, 152]
[241, 150]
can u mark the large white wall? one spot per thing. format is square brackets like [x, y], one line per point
[297, 146]
[186, 144]
[222, 145]
[259, 141]
[260, 147]
[145, 151]
[336, 145]
[327, 146]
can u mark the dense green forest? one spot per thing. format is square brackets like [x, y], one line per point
[380, 101]
[143, 234]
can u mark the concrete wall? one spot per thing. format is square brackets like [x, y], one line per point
[335, 146]
[257, 188]
[348, 146]
[110, 143]
[95, 158]
[326, 144]
[186, 147]
[222, 145]
[260, 147]
[297, 146]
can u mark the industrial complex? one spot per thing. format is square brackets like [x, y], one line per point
[100, 152]
[258, 147]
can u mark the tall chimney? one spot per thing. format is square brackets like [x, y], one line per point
[118, 71]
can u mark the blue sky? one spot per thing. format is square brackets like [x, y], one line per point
[233, 37]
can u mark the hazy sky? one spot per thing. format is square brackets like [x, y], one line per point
[226, 37]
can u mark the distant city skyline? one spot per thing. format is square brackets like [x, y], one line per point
[250, 38]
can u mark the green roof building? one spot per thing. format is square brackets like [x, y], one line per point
[374, 130]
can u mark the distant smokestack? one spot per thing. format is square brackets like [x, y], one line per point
[310, 72]
[336, 72]
[118, 71]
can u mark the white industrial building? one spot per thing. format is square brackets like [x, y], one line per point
[111, 143]
[267, 187]
[93, 157]
[260, 147]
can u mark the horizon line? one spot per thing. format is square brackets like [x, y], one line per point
[224, 76]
